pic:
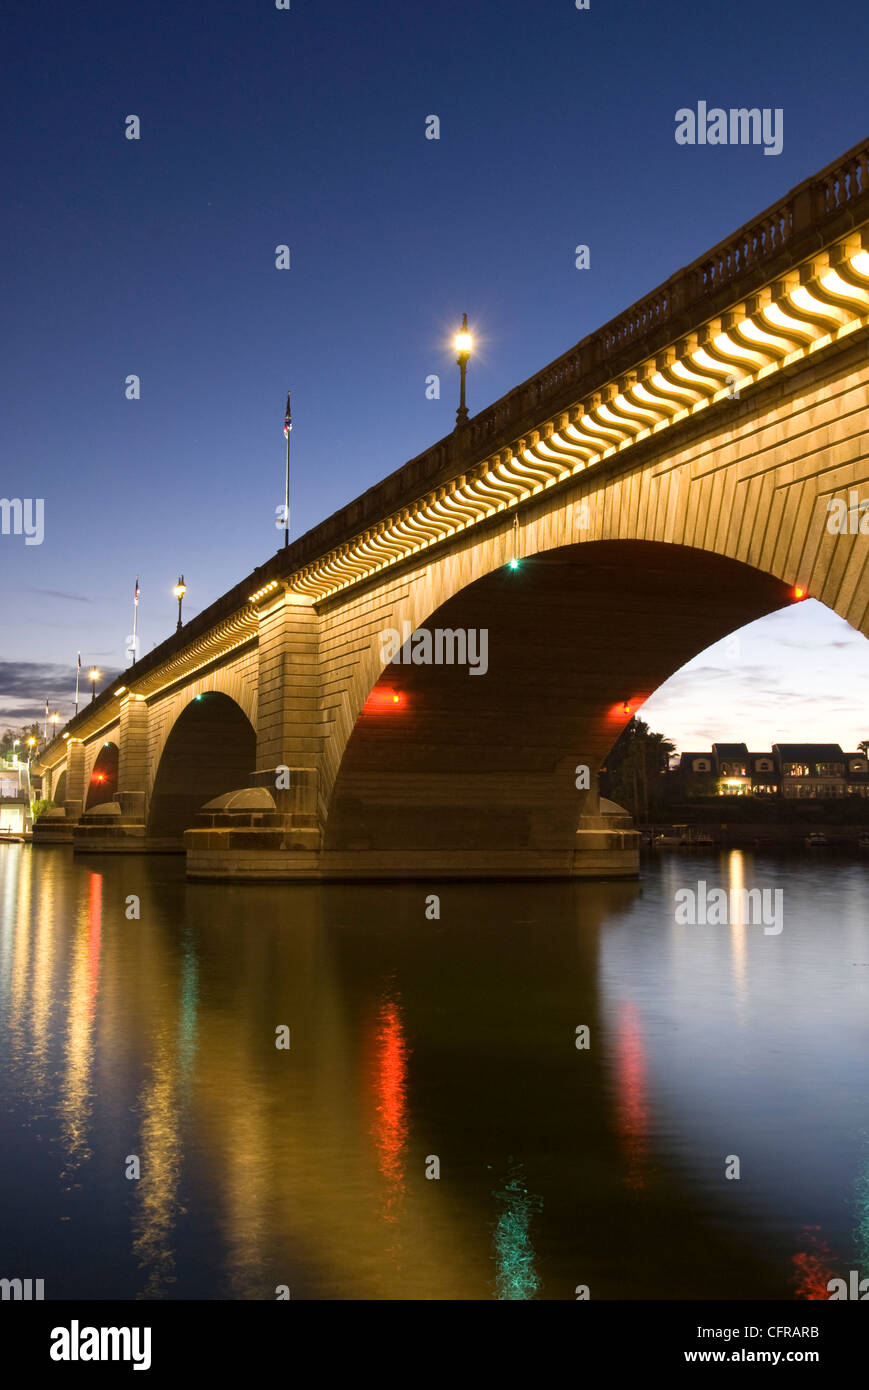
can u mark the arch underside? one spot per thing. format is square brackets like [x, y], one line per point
[488, 762]
[210, 750]
[103, 781]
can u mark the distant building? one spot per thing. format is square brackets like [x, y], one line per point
[790, 770]
[13, 801]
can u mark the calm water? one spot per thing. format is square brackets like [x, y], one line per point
[412, 1040]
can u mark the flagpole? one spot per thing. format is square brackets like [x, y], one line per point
[45, 729]
[77, 674]
[288, 425]
[135, 619]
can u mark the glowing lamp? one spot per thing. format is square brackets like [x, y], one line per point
[514, 564]
[798, 592]
[179, 591]
[464, 344]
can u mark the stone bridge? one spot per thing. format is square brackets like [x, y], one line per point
[665, 481]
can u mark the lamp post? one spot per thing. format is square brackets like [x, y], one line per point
[288, 425]
[93, 677]
[464, 343]
[55, 720]
[179, 591]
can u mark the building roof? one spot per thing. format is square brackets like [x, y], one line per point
[809, 752]
[730, 750]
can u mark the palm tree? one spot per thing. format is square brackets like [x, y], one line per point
[637, 755]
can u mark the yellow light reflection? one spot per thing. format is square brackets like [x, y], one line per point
[738, 924]
[75, 1107]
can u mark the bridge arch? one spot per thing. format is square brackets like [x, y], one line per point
[209, 749]
[103, 780]
[233, 681]
[578, 637]
[748, 484]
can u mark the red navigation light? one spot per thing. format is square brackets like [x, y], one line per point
[384, 697]
[625, 709]
[798, 592]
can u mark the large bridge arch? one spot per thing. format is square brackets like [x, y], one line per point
[578, 638]
[210, 749]
[750, 485]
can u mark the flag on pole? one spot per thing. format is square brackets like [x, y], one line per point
[288, 423]
[136, 594]
[78, 668]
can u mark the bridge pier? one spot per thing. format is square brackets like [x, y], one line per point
[607, 846]
[57, 827]
[245, 836]
[290, 717]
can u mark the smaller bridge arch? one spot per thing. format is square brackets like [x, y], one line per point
[210, 749]
[103, 780]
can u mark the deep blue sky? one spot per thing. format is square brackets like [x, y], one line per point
[307, 127]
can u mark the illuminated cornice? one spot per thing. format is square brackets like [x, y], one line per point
[808, 309]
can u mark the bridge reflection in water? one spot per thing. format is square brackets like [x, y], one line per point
[413, 1039]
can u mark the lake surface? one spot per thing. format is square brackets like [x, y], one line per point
[420, 1045]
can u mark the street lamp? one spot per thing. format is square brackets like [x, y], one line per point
[55, 720]
[93, 677]
[464, 343]
[179, 591]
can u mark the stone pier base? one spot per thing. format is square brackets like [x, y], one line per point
[53, 828]
[245, 838]
[108, 829]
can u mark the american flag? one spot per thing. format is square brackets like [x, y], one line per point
[136, 594]
[288, 423]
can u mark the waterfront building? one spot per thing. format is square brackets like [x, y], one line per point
[788, 770]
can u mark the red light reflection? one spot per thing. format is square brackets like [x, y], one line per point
[388, 1080]
[813, 1268]
[632, 1110]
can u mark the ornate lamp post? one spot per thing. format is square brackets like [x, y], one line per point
[464, 343]
[93, 677]
[179, 591]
